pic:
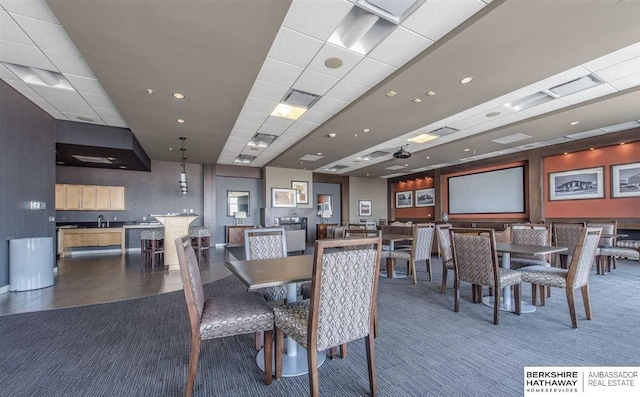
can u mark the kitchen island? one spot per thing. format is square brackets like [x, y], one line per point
[69, 238]
[175, 226]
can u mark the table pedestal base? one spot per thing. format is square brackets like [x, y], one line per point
[291, 365]
[383, 273]
[524, 306]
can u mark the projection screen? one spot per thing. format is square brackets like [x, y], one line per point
[500, 191]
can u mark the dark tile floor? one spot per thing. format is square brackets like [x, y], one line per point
[100, 278]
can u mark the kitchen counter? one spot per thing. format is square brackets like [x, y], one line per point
[72, 237]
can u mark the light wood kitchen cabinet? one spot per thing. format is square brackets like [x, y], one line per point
[89, 197]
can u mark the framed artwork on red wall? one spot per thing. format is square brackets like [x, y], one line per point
[586, 183]
[625, 180]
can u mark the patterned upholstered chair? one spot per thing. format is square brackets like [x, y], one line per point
[227, 315]
[341, 308]
[566, 235]
[200, 239]
[152, 246]
[444, 247]
[267, 243]
[476, 261]
[577, 276]
[608, 248]
[530, 235]
[420, 249]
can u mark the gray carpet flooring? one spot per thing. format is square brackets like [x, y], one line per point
[140, 347]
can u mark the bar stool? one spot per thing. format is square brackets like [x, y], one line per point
[152, 244]
[200, 240]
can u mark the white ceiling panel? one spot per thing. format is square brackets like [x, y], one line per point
[70, 64]
[436, 18]
[24, 55]
[37, 9]
[480, 128]
[626, 82]
[620, 70]
[400, 47]
[304, 126]
[83, 84]
[594, 92]
[561, 78]
[246, 126]
[42, 103]
[294, 48]
[259, 106]
[280, 73]
[47, 35]
[369, 72]
[271, 129]
[267, 91]
[95, 119]
[57, 115]
[281, 122]
[515, 95]
[503, 110]
[545, 107]
[22, 88]
[10, 30]
[254, 117]
[316, 18]
[482, 109]
[510, 118]
[466, 123]
[98, 100]
[6, 74]
[314, 82]
[252, 151]
[64, 100]
[107, 112]
[349, 59]
[315, 116]
[329, 105]
[613, 58]
[347, 91]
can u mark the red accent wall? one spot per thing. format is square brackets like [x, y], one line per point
[627, 207]
[414, 212]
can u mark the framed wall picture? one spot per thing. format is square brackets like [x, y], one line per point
[586, 183]
[404, 199]
[324, 206]
[283, 197]
[364, 208]
[302, 189]
[426, 197]
[625, 180]
[237, 201]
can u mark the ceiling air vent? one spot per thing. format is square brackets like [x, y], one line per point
[244, 159]
[311, 157]
[336, 168]
[377, 153]
[529, 101]
[300, 99]
[262, 140]
[577, 85]
[443, 131]
[511, 138]
[621, 127]
[556, 141]
[392, 10]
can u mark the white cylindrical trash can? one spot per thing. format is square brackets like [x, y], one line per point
[30, 263]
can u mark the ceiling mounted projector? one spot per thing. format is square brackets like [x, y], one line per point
[402, 154]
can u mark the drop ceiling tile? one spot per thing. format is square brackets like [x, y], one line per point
[6, 74]
[479, 128]
[70, 64]
[591, 93]
[252, 151]
[483, 108]
[465, 123]
[316, 18]
[57, 115]
[64, 100]
[246, 126]
[267, 91]
[329, 105]
[347, 91]
[620, 70]
[560, 78]
[254, 117]
[314, 83]
[314, 116]
[613, 58]
[259, 106]
[515, 95]
[21, 54]
[107, 112]
[22, 88]
[46, 35]
[294, 48]
[304, 126]
[280, 73]
[626, 82]
[281, 122]
[503, 110]
[11, 31]
[436, 18]
[37, 9]
[349, 59]
[42, 103]
[83, 84]
[545, 107]
[116, 123]
[510, 118]
[271, 129]
[98, 100]
[95, 119]
[369, 72]
[400, 47]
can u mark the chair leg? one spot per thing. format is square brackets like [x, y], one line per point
[413, 270]
[371, 365]
[389, 268]
[496, 304]
[429, 267]
[332, 353]
[444, 279]
[279, 346]
[343, 350]
[314, 382]
[548, 291]
[516, 296]
[375, 323]
[474, 291]
[193, 365]
[585, 300]
[153, 254]
[534, 294]
[613, 260]
[258, 339]
[268, 354]
[543, 300]
[456, 297]
[572, 307]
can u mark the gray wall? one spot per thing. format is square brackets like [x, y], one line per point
[27, 172]
[155, 192]
[222, 185]
[334, 190]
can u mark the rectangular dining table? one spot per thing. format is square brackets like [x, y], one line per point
[391, 239]
[507, 249]
[261, 273]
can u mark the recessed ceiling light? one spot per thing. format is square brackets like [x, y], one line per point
[406, 165]
[466, 80]
[333, 62]
[574, 122]
[427, 158]
[391, 93]
[332, 135]
[111, 158]
[149, 91]
[622, 143]
[83, 118]
[430, 93]
[288, 111]
[319, 154]
[466, 150]
[123, 166]
[566, 153]
[59, 162]
[493, 114]
[590, 148]
[178, 95]
[366, 130]
[368, 174]
[170, 149]
[181, 121]
[417, 100]
[422, 138]
[355, 135]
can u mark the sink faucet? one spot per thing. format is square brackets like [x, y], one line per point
[100, 220]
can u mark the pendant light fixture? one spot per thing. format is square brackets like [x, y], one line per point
[184, 188]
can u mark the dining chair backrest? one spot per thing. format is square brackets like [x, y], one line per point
[422, 241]
[266, 243]
[444, 242]
[582, 261]
[531, 236]
[343, 291]
[607, 228]
[474, 255]
[362, 233]
[192, 282]
[567, 235]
